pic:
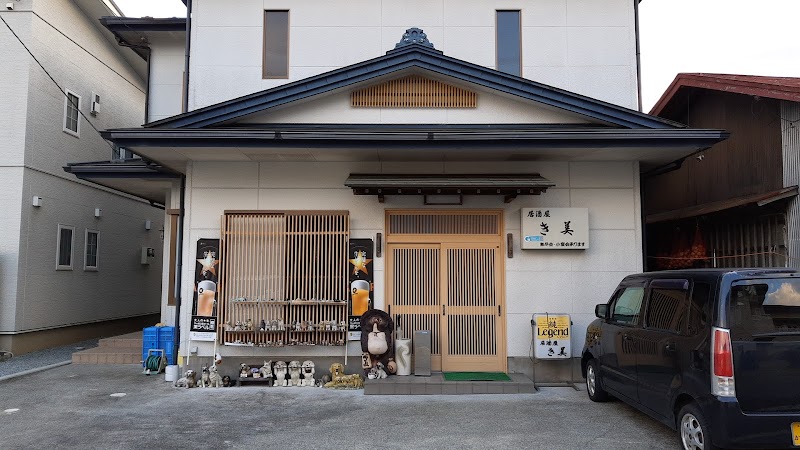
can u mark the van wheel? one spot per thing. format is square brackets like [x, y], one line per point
[693, 429]
[593, 385]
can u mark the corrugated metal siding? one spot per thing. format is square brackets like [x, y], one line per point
[790, 136]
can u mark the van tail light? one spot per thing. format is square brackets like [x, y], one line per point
[722, 381]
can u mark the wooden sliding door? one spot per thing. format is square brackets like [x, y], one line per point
[445, 273]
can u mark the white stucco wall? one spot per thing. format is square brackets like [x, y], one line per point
[14, 71]
[41, 297]
[166, 77]
[536, 281]
[584, 46]
[121, 286]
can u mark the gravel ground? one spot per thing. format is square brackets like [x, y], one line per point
[43, 358]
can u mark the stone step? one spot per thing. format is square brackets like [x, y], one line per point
[437, 385]
[108, 355]
[125, 341]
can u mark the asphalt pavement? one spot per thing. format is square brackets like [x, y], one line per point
[117, 407]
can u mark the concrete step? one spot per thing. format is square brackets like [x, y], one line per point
[125, 341]
[123, 349]
[108, 355]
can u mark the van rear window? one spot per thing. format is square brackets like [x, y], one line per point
[765, 311]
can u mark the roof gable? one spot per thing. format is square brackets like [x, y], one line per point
[780, 88]
[410, 57]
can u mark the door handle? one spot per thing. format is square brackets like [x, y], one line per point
[443, 310]
[670, 347]
[625, 336]
[499, 310]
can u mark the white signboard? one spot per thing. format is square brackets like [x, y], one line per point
[555, 228]
[551, 336]
[202, 336]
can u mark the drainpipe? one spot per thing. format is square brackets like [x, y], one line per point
[179, 271]
[638, 52]
[186, 61]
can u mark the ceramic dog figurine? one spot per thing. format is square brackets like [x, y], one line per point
[188, 380]
[294, 373]
[214, 379]
[308, 374]
[280, 374]
[244, 370]
[204, 378]
[266, 372]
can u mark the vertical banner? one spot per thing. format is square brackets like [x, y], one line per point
[360, 253]
[204, 307]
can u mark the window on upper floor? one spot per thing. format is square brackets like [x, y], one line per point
[65, 240]
[276, 44]
[509, 42]
[72, 104]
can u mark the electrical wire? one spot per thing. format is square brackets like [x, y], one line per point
[88, 52]
[53, 80]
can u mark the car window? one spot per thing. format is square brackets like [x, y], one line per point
[765, 310]
[666, 309]
[627, 306]
[699, 308]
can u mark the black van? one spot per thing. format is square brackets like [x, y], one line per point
[714, 353]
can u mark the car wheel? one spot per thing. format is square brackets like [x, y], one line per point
[593, 385]
[693, 429]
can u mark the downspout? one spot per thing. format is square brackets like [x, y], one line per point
[186, 61]
[147, 91]
[638, 53]
[179, 271]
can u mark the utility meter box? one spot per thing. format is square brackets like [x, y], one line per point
[148, 255]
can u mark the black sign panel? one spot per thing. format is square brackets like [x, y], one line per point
[360, 255]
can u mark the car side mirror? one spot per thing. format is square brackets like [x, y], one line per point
[601, 310]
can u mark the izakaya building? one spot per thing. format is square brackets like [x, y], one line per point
[485, 157]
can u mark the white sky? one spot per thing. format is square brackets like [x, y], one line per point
[718, 36]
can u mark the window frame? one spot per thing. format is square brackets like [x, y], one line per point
[613, 303]
[264, 74]
[86, 266]
[60, 266]
[497, 40]
[77, 131]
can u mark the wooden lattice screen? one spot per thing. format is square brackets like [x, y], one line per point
[414, 91]
[285, 267]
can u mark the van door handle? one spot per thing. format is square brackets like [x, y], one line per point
[625, 336]
[670, 347]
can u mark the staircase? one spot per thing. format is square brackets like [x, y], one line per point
[124, 349]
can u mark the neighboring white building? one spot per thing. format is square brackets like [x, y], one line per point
[499, 106]
[70, 262]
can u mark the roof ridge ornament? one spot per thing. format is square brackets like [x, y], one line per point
[415, 36]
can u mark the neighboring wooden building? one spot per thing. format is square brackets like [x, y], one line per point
[741, 193]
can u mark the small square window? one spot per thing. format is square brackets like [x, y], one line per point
[72, 104]
[66, 239]
[90, 253]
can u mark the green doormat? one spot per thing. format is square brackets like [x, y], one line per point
[476, 376]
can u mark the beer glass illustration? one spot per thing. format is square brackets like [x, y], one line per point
[206, 290]
[360, 296]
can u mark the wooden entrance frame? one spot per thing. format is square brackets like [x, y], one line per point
[475, 229]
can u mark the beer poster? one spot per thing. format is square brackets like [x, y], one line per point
[204, 306]
[360, 255]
